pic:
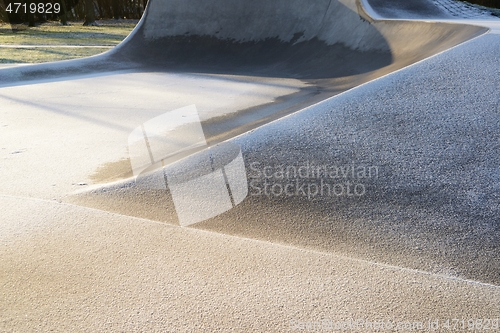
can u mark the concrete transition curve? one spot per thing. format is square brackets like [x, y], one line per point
[333, 46]
[319, 39]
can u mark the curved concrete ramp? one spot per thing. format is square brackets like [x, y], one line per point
[357, 227]
[397, 171]
[198, 39]
[329, 45]
[320, 39]
[401, 9]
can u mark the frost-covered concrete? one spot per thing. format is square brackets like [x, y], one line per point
[57, 126]
[433, 202]
[444, 11]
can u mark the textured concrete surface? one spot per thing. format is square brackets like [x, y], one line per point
[66, 268]
[429, 9]
[56, 126]
[433, 203]
[448, 11]
[460, 9]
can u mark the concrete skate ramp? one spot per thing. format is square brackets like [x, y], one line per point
[331, 45]
[317, 39]
[401, 9]
[431, 129]
[427, 159]
[320, 39]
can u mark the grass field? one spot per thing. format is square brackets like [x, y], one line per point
[52, 41]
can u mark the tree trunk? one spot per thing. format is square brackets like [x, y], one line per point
[89, 13]
[64, 13]
[31, 16]
[31, 20]
[117, 9]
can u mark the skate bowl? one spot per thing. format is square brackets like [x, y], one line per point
[332, 46]
[329, 46]
[312, 40]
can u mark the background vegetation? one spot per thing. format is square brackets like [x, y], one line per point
[51, 41]
[75, 10]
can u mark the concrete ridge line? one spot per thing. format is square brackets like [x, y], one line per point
[364, 261]
[370, 11]
[296, 248]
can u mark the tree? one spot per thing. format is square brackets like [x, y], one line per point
[89, 13]
[64, 13]
[117, 9]
[31, 16]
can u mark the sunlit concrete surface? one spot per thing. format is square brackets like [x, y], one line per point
[57, 126]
